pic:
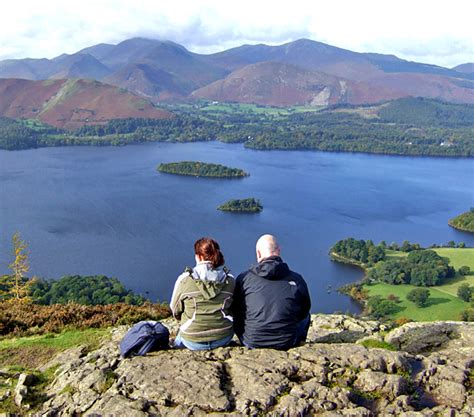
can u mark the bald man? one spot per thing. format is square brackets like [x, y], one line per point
[271, 302]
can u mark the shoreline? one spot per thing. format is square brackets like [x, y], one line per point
[459, 228]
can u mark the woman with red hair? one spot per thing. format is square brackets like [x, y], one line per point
[201, 300]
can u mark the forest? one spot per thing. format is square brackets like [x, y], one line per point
[85, 290]
[411, 126]
[421, 267]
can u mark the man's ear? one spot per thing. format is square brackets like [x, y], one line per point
[259, 255]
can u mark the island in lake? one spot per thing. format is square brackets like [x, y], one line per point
[246, 205]
[201, 169]
[464, 221]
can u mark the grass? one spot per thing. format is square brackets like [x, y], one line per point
[379, 344]
[33, 351]
[440, 305]
[394, 254]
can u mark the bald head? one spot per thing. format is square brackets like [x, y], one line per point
[267, 246]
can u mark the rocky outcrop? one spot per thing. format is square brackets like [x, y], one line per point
[329, 376]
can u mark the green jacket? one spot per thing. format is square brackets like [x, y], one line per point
[202, 297]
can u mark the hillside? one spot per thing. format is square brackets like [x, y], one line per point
[467, 68]
[149, 81]
[72, 103]
[419, 112]
[163, 70]
[279, 84]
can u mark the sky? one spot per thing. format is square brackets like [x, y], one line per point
[437, 32]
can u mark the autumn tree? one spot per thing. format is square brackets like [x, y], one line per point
[16, 287]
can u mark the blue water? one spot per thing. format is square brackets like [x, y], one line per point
[90, 210]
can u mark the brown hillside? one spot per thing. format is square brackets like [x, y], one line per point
[278, 84]
[426, 85]
[72, 103]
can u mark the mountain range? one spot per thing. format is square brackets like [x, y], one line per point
[303, 72]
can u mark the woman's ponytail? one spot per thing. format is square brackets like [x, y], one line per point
[209, 250]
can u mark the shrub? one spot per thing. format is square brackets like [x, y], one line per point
[419, 296]
[464, 270]
[402, 320]
[379, 307]
[394, 298]
[21, 319]
[465, 292]
[468, 314]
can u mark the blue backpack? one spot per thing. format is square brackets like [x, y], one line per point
[144, 337]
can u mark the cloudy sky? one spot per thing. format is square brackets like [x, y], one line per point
[435, 32]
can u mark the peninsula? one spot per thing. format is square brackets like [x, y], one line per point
[246, 205]
[464, 221]
[392, 272]
[201, 169]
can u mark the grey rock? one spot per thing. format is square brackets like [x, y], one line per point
[420, 337]
[67, 356]
[313, 379]
[338, 328]
[450, 393]
[21, 391]
[378, 383]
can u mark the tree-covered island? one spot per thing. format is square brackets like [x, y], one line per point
[246, 205]
[201, 169]
[464, 221]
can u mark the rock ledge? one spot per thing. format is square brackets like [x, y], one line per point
[330, 375]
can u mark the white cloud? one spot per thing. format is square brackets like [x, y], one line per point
[427, 31]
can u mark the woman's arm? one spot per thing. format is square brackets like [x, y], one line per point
[176, 303]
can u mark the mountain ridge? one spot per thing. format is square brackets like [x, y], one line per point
[163, 70]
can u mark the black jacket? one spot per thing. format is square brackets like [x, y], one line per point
[269, 301]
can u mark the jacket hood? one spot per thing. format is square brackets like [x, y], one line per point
[209, 281]
[271, 268]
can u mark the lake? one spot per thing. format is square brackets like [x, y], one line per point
[92, 210]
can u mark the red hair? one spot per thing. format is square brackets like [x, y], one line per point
[209, 250]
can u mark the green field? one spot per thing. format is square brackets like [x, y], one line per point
[258, 109]
[440, 305]
[443, 303]
[457, 257]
